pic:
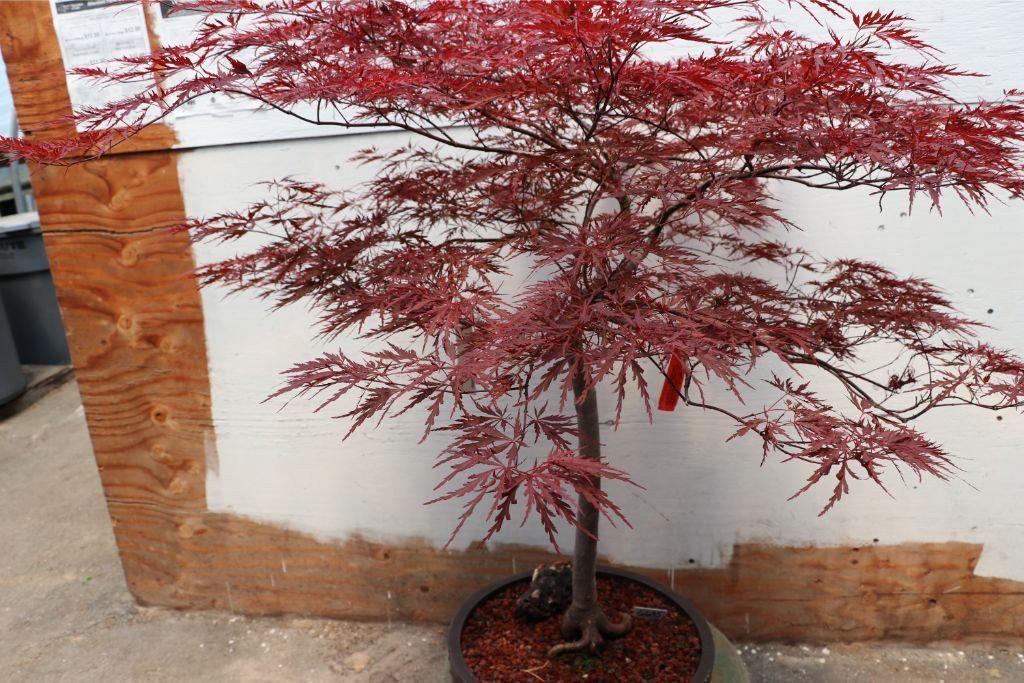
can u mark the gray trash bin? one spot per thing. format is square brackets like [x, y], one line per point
[26, 290]
[12, 382]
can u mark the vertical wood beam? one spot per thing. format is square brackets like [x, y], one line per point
[131, 309]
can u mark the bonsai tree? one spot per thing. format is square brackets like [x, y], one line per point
[637, 192]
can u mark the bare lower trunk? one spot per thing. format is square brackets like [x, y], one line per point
[584, 560]
[585, 622]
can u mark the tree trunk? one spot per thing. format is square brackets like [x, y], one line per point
[584, 559]
[584, 620]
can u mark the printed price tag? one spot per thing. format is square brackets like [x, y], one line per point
[649, 613]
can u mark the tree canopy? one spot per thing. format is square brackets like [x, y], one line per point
[639, 193]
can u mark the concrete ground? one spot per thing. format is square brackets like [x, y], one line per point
[65, 614]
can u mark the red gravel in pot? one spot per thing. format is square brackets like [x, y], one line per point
[499, 646]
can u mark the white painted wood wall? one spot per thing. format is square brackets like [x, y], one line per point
[288, 466]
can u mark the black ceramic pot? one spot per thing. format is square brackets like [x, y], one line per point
[460, 671]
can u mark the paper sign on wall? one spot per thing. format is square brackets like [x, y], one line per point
[97, 32]
[174, 27]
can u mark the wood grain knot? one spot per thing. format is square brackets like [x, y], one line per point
[160, 415]
[190, 528]
[126, 324]
[160, 454]
[179, 483]
[129, 254]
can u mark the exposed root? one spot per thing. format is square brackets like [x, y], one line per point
[614, 629]
[590, 641]
[592, 627]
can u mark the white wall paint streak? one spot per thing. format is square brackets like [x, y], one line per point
[288, 466]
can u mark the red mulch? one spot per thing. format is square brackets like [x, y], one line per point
[498, 646]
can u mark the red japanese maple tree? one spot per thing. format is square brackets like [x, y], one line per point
[638, 194]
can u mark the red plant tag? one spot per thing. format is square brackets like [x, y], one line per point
[672, 386]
